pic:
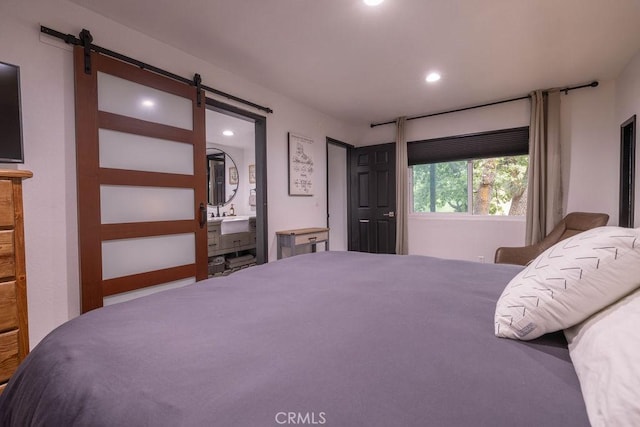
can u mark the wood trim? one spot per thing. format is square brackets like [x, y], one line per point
[14, 173]
[144, 280]
[133, 230]
[87, 159]
[200, 188]
[135, 126]
[146, 179]
[21, 271]
[141, 76]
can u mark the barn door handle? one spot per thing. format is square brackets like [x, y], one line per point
[203, 215]
[391, 214]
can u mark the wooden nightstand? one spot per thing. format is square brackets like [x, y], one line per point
[302, 237]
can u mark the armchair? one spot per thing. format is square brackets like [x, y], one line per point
[572, 224]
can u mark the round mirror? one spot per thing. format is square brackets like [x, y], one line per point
[222, 177]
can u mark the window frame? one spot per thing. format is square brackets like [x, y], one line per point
[469, 147]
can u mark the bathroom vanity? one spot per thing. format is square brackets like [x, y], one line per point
[224, 236]
[231, 237]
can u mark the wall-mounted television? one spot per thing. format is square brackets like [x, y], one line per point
[10, 117]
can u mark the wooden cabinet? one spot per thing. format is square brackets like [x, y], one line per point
[213, 237]
[220, 244]
[231, 251]
[14, 329]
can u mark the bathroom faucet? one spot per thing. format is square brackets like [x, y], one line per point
[218, 210]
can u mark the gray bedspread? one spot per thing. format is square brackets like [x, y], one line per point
[333, 338]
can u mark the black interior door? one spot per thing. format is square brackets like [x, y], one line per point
[627, 172]
[373, 199]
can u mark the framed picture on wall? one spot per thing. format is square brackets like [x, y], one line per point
[252, 174]
[300, 165]
[233, 175]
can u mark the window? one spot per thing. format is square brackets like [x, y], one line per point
[494, 186]
[482, 174]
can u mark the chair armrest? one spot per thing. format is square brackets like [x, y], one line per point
[519, 256]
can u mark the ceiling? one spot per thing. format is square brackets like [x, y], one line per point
[366, 64]
[243, 131]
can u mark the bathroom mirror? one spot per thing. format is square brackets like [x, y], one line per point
[222, 177]
[235, 138]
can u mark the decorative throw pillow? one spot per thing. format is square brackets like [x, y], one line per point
[569, 282]
[604, 350]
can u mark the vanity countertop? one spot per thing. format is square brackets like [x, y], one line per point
[230, 218]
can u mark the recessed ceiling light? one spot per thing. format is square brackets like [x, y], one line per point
[147, 103]
[227, 132]
[433, 77]
[372, 2]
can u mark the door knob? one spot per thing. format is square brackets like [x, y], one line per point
[391, 214]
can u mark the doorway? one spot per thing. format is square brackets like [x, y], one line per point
[627, 172]
[338, 193]
[242, 137]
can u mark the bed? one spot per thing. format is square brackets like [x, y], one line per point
[330, 338]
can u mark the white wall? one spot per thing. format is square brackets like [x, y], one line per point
[472, 238]
[627, 104]
[591, 166]
[49, 141]
[590, 161]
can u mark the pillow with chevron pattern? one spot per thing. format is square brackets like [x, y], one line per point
[569, 282]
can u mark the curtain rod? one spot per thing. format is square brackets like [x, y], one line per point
[565, 90]
[71, 39]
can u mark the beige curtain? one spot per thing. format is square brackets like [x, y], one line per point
[402, 234]
[544, 198]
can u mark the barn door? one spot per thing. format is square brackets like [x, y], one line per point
[140, 147]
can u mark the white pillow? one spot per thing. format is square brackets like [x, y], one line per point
[569, 282]
[605, 350]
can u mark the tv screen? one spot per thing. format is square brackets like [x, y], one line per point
[10, 121]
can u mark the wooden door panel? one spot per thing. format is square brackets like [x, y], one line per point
[364, 236]
[382, 158]
[363, 159]
[93, 231]
[382, 189]
[363, 190]
[386, 232]
[373, 189]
